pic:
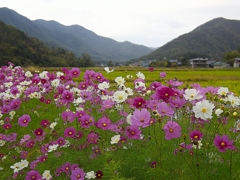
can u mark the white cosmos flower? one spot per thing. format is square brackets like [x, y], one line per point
[129, 76]
[129, 91]
[218, 112]
[28, 74]
[140, 75]
[237, 125]
[108, 70]
[43, 75]
[55, 82]
[19, 165]
[235, 101]
[90, 175]
[46, 175]
[103, 85]
[120, 80]
[120, 96]
[222, 91]
[192, 94]
[115, 139]
[203, 109]
[52, 125]
[53, 147]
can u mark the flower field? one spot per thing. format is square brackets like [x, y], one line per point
[68, 124]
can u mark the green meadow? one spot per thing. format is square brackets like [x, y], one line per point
[205, 77]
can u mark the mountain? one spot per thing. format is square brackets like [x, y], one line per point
[75, 38]
[22, 50]
[211, 39]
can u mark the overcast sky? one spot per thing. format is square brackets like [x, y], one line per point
[151, 23]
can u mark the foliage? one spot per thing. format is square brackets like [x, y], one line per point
[211, 39]
[230, 56]
[71, 127]
[22, 50]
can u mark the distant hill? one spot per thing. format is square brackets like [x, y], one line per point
[211, 39]
[18, 48]
[75, 38]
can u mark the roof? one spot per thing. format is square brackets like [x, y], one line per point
[237, 59]
[219, 63]
[199, 59]
[173, 61]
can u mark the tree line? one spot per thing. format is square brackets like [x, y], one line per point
[22, 50]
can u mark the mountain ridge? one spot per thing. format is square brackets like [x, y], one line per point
[211, 39]
[69, 37]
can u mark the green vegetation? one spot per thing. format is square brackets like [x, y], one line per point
[17, 47]
[211, 39]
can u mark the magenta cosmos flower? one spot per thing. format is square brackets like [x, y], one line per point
[104, 123]
[164, 110]
[196, 135]
[24, 120]
[223, 143]
[67, 97]
[133, 132]
[33, 175]
[172, 130]
[77, 174]
[141, 118]
[162, 74]
[164, 93]
[139, 102]
[70, 132]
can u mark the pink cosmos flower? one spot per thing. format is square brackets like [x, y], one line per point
[68, 116]
[70, 132]
[223, 143]
[141, 118]
[33, 175]
[24, 120]
[164, 110]
[74, 72]
[67, 97]
[86, 121]
[77, 174]
[172, 130]
[104, 123]
[139, 102]
[93, 138]
[133, 132]
[162, 74]
[38, 132]
[196, 135]
[163, 93]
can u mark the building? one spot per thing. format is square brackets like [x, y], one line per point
[220, 65]
[175, 62]
[146, 63]
[199, 63]
[236, 63]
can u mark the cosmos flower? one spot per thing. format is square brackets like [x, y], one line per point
[115, 139]
[120, 96]
[133, 132]
[90, 175]
[77, 174]
[192, 94]
[203, 109]
[108, 70]
[103, 123]
[33, 175]
[223, 143]
[162, 74]
[141, 118]
[172, 130]
[24, 120]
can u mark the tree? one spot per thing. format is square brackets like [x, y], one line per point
[110, 64]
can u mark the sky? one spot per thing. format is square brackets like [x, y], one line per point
[151, 23]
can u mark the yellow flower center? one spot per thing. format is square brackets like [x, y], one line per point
[204, 110]
[120, 97]
[171, 130]
[222, 144]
